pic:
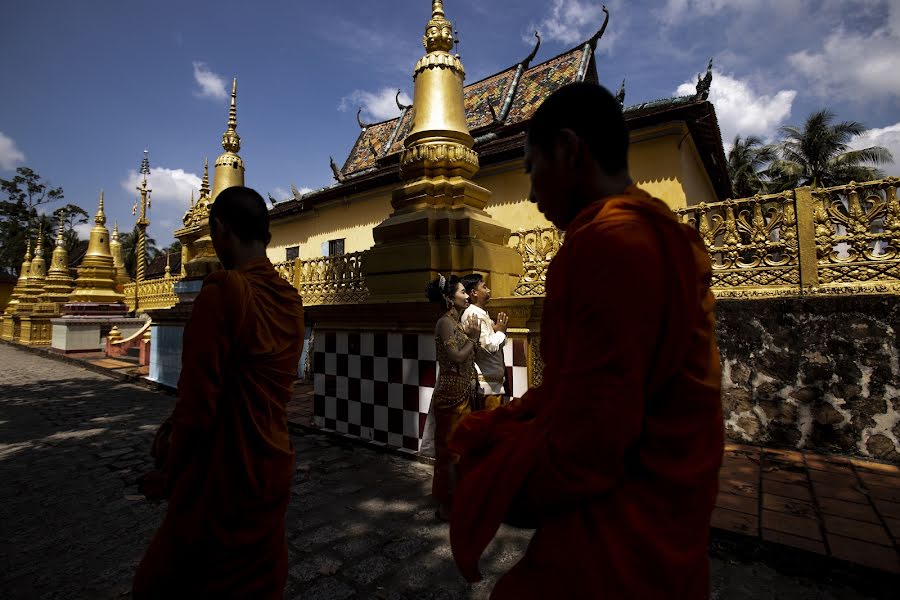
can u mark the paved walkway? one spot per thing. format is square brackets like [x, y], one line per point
[360, 525]
[848, 509]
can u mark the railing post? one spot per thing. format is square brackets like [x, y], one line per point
[298, 272]
[806, 238]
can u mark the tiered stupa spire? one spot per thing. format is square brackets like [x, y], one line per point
[97, 274]
[229, 167]
[115, 248]
[36, 276]
[7, 330]
[58, 285]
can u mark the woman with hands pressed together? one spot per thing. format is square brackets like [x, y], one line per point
[455, 342]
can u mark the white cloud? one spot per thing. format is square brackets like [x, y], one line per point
[10, 155]
[571, 21]
[170, 198]
[888, 137]
[855, 65]
[212, 85]
[84, 229]
[677, 11]
[377, 106]
[742, 110]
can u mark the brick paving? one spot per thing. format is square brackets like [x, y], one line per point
[360, 524]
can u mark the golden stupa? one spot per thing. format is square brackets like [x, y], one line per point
[96, 281]
[198, 258]
[115, 248]
[439, 223]
[8, 329]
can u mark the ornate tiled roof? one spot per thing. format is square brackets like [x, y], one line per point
[496, 141]
[535, 84]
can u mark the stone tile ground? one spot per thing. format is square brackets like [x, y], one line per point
[360, 524]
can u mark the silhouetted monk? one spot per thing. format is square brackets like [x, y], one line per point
[614, 459]
[228, 463]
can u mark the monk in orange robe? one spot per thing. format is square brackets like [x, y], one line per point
[614, 459]
[225, 456]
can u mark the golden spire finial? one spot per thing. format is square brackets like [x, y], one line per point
[168, 268]
[232, 112]
[28, 249]
[115, 234]
[204, 187]
[39, 246]
[192, 198]
[100, 219]
[61, 232]
[231, 141]
[439, 31]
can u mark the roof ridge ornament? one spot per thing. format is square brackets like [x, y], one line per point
[527, 62]
[620, 95]
[362, 124]
[400, 105]
[704, 83]
[338, 176]
[596, 37]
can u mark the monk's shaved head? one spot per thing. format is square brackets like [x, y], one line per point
[243, 211]
[593, 114]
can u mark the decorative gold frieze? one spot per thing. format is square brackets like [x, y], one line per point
[832, 241]
[153, 293]
[327, 280]
[537, 247]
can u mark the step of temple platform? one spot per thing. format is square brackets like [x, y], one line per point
[812, 507]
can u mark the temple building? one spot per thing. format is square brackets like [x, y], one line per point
[676, 154]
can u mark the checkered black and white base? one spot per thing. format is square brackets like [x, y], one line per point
[378, 386]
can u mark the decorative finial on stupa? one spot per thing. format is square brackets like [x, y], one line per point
[204, 185]
[39, 246]
[231, 141]
[100, 218]
[61, 231]
[439, 31]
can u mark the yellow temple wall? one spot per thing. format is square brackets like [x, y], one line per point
[351, 220]
[663, 161]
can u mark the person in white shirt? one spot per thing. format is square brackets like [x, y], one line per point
[489, 356]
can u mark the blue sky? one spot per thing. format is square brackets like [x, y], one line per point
[91, 84]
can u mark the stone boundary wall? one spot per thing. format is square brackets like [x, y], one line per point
[818, 373]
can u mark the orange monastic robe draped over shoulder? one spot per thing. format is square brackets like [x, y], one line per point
[230, 462]
[615, 457]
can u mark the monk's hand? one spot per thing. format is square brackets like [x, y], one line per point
[502, 321]
[472, 327]
[153, 485]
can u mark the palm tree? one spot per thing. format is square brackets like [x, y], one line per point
[818, 154]
[129, 250]
[747, 160]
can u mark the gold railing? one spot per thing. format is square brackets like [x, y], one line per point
[839, 240]
[537, 247]
[153, 293]
[327, 280]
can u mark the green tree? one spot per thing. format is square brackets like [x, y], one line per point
[819, 154]
[19, 216]
[129, 250]
[72, 215]
[747, 161]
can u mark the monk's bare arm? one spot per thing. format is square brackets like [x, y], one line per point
[614, 293]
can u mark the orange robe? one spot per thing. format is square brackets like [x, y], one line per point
[615, 457]
[230, 461]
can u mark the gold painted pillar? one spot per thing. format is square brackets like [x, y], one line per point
[439, 223]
